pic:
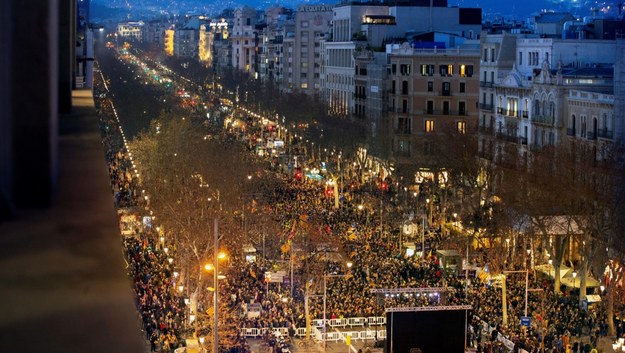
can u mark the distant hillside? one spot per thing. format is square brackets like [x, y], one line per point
[102, 12]
[491, 8]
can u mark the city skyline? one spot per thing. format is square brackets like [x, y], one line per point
[136, 9]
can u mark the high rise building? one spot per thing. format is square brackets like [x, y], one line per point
[373, 26]
[312, 24]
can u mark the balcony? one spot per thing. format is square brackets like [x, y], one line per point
[524, 114]
[591, 135]
[446, 112]
[543, 119]
[485, 106]
[445, 93]
[570, 132]
[484, 84]
[523, 140]
[360, 96]
[485, 129]
[506, 137]
[604, 134]
[486, 155]
[402, 131]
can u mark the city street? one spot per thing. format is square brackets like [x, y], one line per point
[297, 213]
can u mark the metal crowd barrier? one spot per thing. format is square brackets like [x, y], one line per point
[317, 324]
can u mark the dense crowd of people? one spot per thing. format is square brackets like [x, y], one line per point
[370, 244]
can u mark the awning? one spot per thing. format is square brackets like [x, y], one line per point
[549, 270]
[569, 281]
[593, 298]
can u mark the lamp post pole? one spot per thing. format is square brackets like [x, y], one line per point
[324, 311]
[216, 296]
[423, 238]
[574, 277]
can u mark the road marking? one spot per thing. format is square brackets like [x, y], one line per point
[351, 347]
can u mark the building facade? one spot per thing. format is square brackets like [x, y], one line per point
[244, 40]
[432, 92]
[312, 25]
[528, 101]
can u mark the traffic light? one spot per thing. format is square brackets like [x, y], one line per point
[298, 174]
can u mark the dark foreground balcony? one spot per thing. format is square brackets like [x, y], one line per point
[63, 286]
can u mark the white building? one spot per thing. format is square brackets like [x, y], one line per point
[532, 88]
[244, 39]
[130, 30]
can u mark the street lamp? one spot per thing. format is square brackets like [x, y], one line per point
[574, 275]
[215, 268]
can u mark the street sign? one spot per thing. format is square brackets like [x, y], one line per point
[525, 321]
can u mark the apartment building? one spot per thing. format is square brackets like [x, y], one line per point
[245, 40]
[312, 25]
[432, 91]
[532, 88]
[373, 26]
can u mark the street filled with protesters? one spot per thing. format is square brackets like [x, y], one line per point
[342, 246]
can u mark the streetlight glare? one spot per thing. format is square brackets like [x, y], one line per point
[209, 267]
[222, 255]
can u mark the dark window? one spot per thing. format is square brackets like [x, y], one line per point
[430, 86]
[430, 107]
[462, 87]
[404, 87]
[446, 89]
[405, 69]
[404, 106]
[446, 108]
[404, 125]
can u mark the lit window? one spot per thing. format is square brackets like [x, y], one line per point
[461, 126]
[429, 126]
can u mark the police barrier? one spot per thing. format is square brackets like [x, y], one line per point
[356, 321]
[337, 322]
[317, 325]
[300, 332]
[377, 320]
